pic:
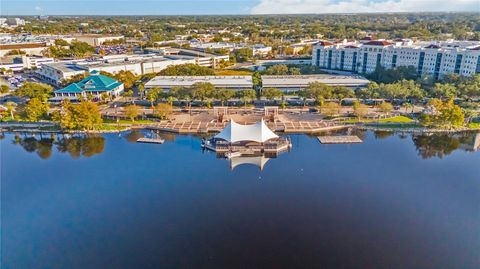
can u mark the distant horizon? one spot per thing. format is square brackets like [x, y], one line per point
[239, 15]
[227, 7]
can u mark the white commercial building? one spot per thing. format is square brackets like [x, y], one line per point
[97, 40]
[17, 64]
[290, 83]
[11, 22]
[27, 48]
[57, 72]
[201, 58]
[434, 58]
[166, 83]
[261, 50]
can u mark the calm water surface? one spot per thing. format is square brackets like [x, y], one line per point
[395, 201]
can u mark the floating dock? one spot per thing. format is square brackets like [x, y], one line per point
[151, 140]
[344, 139]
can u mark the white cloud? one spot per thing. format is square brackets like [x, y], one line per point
[361, 6]
[37, 8]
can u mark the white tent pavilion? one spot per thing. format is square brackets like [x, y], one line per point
[258, 132]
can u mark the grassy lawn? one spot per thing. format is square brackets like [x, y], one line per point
[130, 122]
[396, 119]
[474, 125]
[221, 72]
[110, 127]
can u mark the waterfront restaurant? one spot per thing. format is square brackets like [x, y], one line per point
[247, 140]
[95, 85]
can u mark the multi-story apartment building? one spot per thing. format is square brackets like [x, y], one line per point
[428, 58]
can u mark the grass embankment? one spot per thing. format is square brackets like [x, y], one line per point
[110, 127]
[474, 125]
[393, 122]
[129, 121]
[396, 119]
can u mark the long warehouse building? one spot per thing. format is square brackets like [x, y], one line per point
[166, 83]
[295, 83]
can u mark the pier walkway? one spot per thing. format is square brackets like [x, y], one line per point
[189, 127]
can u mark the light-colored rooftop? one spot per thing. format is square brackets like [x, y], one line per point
[304, 80]
[187, 81]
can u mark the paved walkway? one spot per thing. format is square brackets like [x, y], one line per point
[205, 127]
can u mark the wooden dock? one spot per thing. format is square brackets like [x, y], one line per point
[150, 140]
[344, 139]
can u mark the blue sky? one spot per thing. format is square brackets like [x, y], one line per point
[189, 7]
[125, 7]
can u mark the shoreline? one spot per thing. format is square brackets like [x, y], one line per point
[36, 128]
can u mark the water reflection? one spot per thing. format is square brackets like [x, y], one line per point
[383, 134]
[75, 146]
[258, 161]
[134, 135]
[441, 145]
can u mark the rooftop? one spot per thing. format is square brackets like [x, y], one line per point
[187, 81]
[258, 132]
[22, 46]
[95, 82]
[303, 80]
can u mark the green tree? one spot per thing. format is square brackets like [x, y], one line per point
[318, 91]
[278, 69]
[246, 96]
[132, 111]
[61, 42]
[81, 49]
[385, 107]
[65, 116]
[360, 110]
[86, 115]
[257, 80]
[441, 114]
[271, 93]
[223, 95]
[35, 109]
[330, 109]
[35, 90]
[83, 116]
[202, 90]
[127, 78]
[4, 88]
[445, 91]
[11, 108]
[243, 55]
[163, 111]
[153, 95]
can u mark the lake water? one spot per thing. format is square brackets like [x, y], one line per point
[394, 201]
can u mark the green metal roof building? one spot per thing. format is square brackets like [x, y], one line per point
[95, 85]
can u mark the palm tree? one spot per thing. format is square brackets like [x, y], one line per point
[10, 108]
